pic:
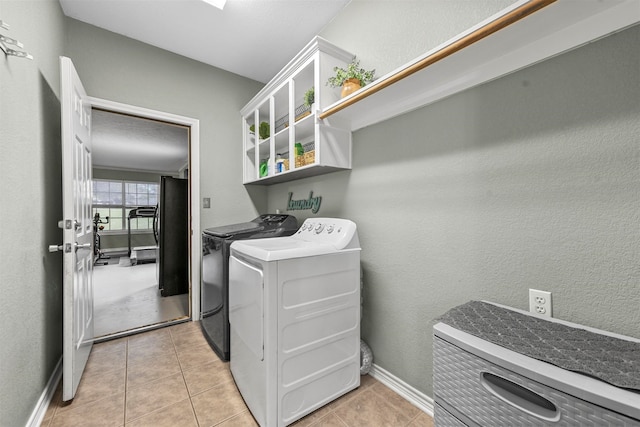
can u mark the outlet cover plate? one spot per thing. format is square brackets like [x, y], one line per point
[540, 302]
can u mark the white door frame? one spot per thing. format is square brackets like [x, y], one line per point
[77, 244]
[194, 183]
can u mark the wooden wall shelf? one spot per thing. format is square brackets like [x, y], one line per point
[526, 33]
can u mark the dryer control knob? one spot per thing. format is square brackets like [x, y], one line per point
[319, 228]
[330, 229]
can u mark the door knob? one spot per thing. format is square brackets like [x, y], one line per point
[81, 246]
[67, 248]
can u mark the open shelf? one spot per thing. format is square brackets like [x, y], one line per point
[527, 32]
[281, 104]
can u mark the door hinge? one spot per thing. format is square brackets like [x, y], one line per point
[65, 224]
[68, 224]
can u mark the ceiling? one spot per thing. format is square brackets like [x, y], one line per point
[132, 143]
[252, 38]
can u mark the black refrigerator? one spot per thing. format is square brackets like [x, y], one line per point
[173, 236]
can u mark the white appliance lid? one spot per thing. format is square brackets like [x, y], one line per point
[316, 236]
[278, 248]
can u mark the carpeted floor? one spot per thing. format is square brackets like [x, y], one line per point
[108, 259]
[127, 297]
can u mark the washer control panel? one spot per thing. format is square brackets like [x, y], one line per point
[336, 231]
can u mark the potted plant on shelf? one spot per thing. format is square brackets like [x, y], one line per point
[309, 97]
[352, 78]
[263, 130]
[306, 109]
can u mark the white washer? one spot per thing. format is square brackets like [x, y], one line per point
[294, 310]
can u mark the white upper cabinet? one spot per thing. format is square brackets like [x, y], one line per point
[525, 33]
[283, 137]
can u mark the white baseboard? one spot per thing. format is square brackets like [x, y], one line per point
[45, 399]
[417, 398]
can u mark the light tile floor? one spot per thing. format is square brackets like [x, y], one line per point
[171, 377]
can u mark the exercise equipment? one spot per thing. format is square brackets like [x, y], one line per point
[97, 252]
[142, 254]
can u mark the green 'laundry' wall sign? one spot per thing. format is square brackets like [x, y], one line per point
[312, 203]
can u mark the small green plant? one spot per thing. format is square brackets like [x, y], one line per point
[263, 130]
[353, 71]
[309, 97]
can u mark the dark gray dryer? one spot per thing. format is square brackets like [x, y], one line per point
[214, 296]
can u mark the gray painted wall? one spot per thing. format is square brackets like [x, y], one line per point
[529, 181]
[111, 67]
[30, 207]
[120, 69]
[100, 173]
[386, 34]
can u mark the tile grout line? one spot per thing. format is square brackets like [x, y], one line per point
[332, 412]
[195, 413]
[380, 395]
[230, 417]
[183, 369]
[175, 350]
[59, 403]
[142, 385]
[414, 418]
[335, 413]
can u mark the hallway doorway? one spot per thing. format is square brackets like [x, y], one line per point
[132, 154]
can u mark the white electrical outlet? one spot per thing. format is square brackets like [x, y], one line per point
[540, 302]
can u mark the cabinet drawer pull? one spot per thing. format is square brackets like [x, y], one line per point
[520, 397]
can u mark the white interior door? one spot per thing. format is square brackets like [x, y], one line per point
[77, 228]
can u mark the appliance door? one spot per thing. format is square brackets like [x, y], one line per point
[246, 305]
[173, 247]
[214, 297]
[246, 316]
[156, 230]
